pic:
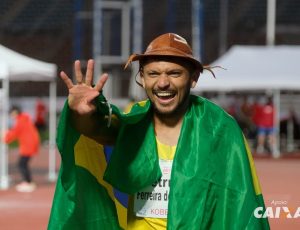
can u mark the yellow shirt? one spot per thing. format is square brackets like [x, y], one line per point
[165, 152]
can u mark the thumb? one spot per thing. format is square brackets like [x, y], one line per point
[92, 96]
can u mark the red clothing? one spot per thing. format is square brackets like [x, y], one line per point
[256, 108]
[40, 113]
[265, 116]
[25, 132]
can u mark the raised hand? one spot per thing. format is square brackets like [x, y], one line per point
[82, 94]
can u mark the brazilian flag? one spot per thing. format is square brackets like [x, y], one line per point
[83, 200]
[213, 180]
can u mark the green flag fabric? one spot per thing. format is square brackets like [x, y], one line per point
[213, 180]
[213, 185]
[82, 199]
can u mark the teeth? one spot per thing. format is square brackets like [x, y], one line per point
[164, 94]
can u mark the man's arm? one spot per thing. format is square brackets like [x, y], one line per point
[81, 98]
[95, 126]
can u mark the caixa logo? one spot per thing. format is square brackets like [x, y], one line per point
[277, 212]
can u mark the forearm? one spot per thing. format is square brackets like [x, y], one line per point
[95, 126]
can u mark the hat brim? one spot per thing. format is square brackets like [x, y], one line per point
[138, 57]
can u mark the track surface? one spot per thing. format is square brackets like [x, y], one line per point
[279, 181]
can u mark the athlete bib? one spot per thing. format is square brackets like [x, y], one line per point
[153, 200]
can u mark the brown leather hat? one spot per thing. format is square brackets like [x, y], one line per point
[168, 45]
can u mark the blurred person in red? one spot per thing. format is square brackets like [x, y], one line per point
[264, 118]
[246, 112]
[26, 134]
[40, 114]
[256, 110]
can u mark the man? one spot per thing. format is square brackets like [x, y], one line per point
[265, 127]
[40, 115]
[25, 132]
[181, 159]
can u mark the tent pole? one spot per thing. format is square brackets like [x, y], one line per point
[97, 37]
[271, 22]
[136, 93]
[4, 178]
[197, 28]
[290, 145]
[52, 131]
[276, 142]
[290, 133]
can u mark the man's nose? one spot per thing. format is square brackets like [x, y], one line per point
[163, 81]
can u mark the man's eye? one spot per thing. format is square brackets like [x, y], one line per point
[174, 74]
[152, 74]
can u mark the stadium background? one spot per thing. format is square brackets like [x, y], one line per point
[49, 30]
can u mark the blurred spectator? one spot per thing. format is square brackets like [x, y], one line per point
[231, 107]
[290, 129]
[256, 110]
[25, 132]
[40, 115]
[264, 118]
[245, 119]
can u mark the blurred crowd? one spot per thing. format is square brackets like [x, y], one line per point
[256, 116]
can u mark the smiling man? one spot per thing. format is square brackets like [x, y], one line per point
[167, 81]
[182, 160]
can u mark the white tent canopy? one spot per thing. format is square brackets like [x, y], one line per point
[23, 68]
[254, 68]
[3, 70]
[18, 67]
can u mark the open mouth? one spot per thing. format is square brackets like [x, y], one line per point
[165, 95]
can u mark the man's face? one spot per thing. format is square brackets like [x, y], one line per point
[167, 84]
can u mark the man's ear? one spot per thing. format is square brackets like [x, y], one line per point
[195, 78]
[142, 79]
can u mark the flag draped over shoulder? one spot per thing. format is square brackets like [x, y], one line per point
[82, 199]
[213, 180]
